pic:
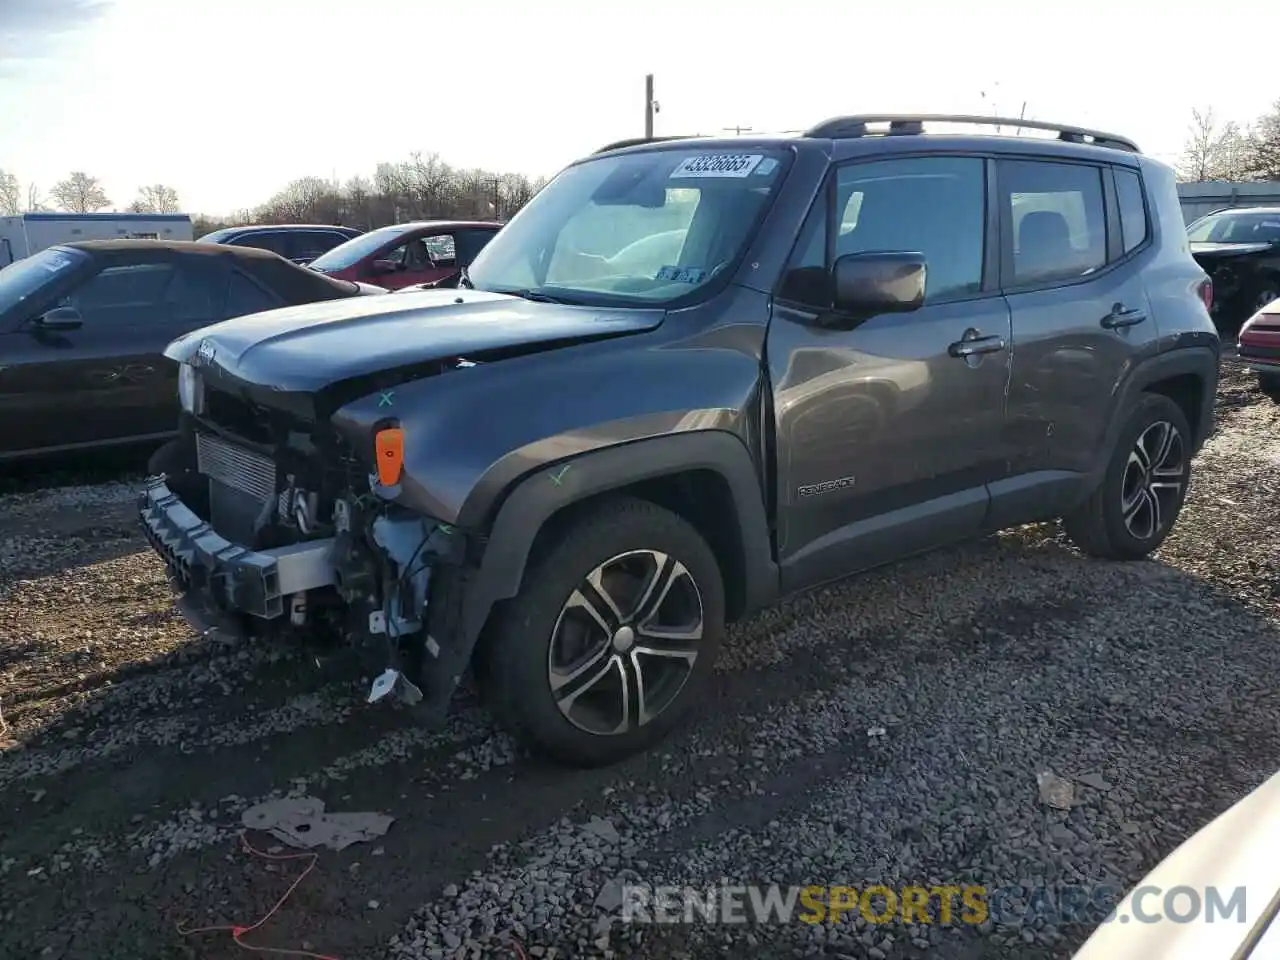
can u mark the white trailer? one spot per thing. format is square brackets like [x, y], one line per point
[29, 233]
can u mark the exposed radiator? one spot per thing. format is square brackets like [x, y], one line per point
[241, 484]
[236, 467]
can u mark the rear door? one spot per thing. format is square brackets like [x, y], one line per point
[1072, 277]
[107, 380]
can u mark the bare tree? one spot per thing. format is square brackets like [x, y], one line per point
[10, 195]
[420, 188]
[1214, 152]
[35, 199]
[80, 193]
[1265, 152]
[155, 198]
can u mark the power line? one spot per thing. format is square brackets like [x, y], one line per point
[738, 130]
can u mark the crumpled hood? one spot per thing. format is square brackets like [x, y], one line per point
[310, 347]
[1228, 249]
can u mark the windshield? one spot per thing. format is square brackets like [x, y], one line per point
[1236, 228]
[356, 249]
[216, 237]
[648, 227]
[25, 277]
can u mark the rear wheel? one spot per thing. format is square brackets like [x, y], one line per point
[1142, 492]
[614, 632]
[1263, 294]
[1269, 384]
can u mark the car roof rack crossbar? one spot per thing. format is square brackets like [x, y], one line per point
[858, 125]
[636, 141]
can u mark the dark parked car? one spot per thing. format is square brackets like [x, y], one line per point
[299, 242]
[409, 254]
[570, 472]
[83, 327]
[1240, 250]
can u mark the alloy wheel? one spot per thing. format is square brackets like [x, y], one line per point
[1153, 479]
[625, 642]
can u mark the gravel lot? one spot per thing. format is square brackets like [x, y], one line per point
[131, 749]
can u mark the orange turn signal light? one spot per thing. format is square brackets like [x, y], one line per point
[389, 450]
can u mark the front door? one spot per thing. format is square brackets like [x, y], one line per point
[106, 380]
[888, 429]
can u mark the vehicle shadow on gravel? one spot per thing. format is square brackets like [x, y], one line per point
[915, 648]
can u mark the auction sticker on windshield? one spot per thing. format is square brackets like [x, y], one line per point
[717, 165]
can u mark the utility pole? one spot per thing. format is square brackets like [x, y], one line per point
[738, 130]
[493, 182]
[650, 106]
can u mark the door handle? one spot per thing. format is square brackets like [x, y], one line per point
[975, 346]
[1122, 316]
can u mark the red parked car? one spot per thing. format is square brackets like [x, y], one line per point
[407, 254]
[1259, 347]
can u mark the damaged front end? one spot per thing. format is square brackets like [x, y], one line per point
[270, 527]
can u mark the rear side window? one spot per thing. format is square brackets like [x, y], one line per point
[275, 242]
[1133, 210]
[309, 244]
[245, 296]
[1057, 219]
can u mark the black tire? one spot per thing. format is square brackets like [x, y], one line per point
[514, 669]
[1099, 526]
[1269, 384]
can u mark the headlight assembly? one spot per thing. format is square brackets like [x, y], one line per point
[190, 389]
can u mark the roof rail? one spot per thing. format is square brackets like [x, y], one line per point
[856, 125]
[636, 141]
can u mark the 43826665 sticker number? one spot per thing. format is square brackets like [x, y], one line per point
[716, 165]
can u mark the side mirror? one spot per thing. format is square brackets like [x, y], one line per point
[870, 283]
[60, 318]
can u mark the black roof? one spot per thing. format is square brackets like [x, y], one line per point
[296, 284]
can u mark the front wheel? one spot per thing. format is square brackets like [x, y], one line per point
[1269, 384]
[614, 631]
[1142, 492]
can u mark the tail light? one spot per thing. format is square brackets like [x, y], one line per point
[1205, 290]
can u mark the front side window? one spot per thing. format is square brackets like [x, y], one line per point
[25, 278]
[1058, 219]
[647, 228]
[245, 296]
[934, 206]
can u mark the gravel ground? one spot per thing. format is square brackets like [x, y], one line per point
[887, 729]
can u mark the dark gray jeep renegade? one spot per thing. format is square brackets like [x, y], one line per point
[690, 377]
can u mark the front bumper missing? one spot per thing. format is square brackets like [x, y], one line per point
[229, 578]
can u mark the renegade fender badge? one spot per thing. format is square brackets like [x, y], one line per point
[813, 489]
[204, 353]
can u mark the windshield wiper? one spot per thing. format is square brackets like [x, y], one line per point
[536, 296]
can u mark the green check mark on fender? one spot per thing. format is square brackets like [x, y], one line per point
[557, 478]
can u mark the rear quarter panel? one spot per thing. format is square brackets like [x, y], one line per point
[1172, 276]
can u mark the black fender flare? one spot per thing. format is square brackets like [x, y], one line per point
[1199, 361]
[535, 498]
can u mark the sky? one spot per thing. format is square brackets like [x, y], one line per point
[229, 100]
